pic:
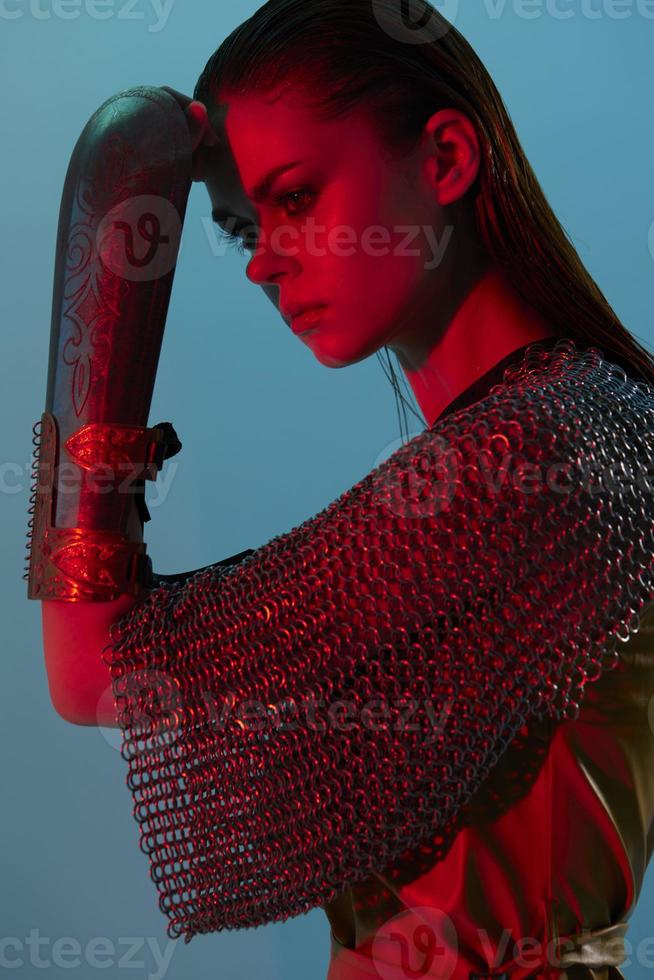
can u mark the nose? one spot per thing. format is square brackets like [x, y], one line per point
[270, 263]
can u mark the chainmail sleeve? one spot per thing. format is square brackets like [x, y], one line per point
[310, 713]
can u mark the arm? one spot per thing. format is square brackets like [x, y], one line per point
[85, 546]
[74, 636]
[482, 575]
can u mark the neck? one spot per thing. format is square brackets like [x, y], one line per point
[490, 323]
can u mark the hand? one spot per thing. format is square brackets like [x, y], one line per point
[203, 135]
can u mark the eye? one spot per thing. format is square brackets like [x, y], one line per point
[301, 192]
[233, 235]
[235, 239]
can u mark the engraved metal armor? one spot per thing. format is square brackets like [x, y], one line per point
[120, 222]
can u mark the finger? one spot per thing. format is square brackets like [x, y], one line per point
[183, 100]
[198, 111]
[197, 118]
[200, 129]
[193, 120]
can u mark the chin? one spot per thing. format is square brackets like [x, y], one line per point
[336, 358]
[328, 360]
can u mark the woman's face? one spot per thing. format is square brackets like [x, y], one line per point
[344, 227]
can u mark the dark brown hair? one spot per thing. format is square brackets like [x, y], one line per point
[351, 54]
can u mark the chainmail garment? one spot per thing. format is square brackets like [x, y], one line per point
[481, 575]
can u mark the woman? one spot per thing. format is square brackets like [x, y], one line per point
[508, 835]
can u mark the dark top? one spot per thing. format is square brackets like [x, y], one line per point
[482, 385]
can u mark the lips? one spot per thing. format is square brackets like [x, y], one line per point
[303, 322]
[297, 309]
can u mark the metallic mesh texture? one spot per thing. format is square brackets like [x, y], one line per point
[481, 575]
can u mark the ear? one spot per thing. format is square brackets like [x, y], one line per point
[453, 154]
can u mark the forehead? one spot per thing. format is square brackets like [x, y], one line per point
[283, 120]
[260, 132]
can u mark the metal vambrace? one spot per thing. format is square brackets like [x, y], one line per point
[320, 708]
[120, 221]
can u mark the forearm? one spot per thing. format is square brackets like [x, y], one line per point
[87, 564]
[74, 635]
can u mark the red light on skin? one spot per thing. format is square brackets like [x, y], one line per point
[304, 321]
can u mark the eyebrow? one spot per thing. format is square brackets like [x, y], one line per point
[261, 189]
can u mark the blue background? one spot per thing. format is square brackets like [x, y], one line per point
[270, 435]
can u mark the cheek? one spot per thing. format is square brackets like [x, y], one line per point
[372, 265]
[381, 274]
[380, 260]
[367, 299]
